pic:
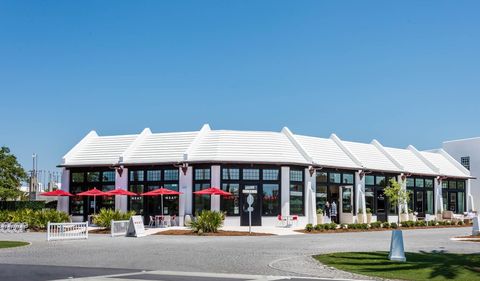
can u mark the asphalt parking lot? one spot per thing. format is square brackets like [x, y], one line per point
[260, 255]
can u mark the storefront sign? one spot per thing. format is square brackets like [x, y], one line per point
[136, 227]
[250, 189]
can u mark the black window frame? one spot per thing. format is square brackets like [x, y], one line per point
[204, 183]
[328, 182]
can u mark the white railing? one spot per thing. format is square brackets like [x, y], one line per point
[119, 228]
[68, 230]
[13, 227]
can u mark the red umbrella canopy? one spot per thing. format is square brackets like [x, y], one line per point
[93, 192]
[121, 192]
[212, 191]
[57, 192]
[161, 191]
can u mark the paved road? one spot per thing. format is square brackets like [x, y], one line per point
[267, 255]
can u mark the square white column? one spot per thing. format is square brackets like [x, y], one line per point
[185, 199]
[64, 201]
[360, 202]
[285, 186]
[403, 185]
[437, 190]
[121, 182]
[310, 197]
[215, 182]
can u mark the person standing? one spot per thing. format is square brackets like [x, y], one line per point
[333, 212]
[327, 209]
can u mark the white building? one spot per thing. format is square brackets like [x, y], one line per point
[294, 175]
[467, 153]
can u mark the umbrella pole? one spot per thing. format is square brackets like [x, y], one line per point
[162, 203]
[94, 204]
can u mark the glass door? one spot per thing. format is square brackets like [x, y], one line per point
[381, 206]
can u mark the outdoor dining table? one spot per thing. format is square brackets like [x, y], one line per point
[161, 219]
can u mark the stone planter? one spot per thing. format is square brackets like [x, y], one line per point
[319, 218]
[360, 218]
[369, 217]
[411, 217]
[439, 217]
[403, 217]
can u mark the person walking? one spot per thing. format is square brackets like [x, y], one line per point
[333, 212]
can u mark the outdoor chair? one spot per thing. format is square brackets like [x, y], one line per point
[173, 220]
[450, 216]
[281, 221]
[166, 221]
[295, 219]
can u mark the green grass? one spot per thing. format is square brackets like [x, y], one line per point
[419, 266]
[12, 244]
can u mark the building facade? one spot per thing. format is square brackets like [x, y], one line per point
[293, 175]
[467, 153]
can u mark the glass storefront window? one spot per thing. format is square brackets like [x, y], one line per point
[419, 183]
[452, 185]
[410, 182]
[296, 199]
[136, 176]
[93, 176]
[230, 174]
[322, 177]
[136, 202]
[251, 174]
[296, 175]
[270, 174]
[419, 202]
[346, 199]
[154, 175]
[170, 175]
[461, 200]
[335, 178]
[321, 195]
[77, 177]
[369, 199]
[369, 180]
[348, 178]
[108, 176]
[429, 183]
[270, 199]
[202, 174]
[231, 204]
[381, 181]
[201, 202]
[429, 202]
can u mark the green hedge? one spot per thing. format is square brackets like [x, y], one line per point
[105, 216]
[20, 205]
[36, 219]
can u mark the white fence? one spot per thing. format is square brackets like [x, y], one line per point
[119, 228]
[13, 227]
[65, 231]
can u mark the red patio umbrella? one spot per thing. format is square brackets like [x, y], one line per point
[57, 192]
[161, 191]
[213, 191]
[93, 192]
[121, 192]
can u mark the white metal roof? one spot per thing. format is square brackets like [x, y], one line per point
[227, 146]
[246, 146]
[325, 152]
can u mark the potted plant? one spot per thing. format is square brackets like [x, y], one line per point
[369, 215]
[319, 216]
[411, 215]
[439, 215]
[360, 216]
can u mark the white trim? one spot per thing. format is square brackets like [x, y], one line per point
[424, 159]
[347, 151]
[291, 137]
[146, 132]
[198, 138]
[91, 135]
[382, 149]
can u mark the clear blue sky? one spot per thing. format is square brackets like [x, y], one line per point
[403, 73]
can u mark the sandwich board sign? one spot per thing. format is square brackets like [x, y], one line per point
[135, 227]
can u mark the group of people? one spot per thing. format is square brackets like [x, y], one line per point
[331, 211]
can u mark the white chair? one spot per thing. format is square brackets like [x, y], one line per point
[151, 223]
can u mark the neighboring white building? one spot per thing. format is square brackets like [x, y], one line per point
[294, 175]
[467, 153]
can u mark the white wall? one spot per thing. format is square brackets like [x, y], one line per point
[185, 199]
[285, 187]
[121, 182]
[63, 201]
[468, 147]
[215, 182]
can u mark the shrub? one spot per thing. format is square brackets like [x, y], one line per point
[207, 221]
[461, 223]
[394, 225]
[319, 227]
[408, 224]
[376, 224]
[36, 219]
[331, 226]
[20, 205]
[386, 225]
[105, 216]
[343, 226]
[309, 227]
[420, 223]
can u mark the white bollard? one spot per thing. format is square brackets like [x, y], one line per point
[397, 251]
[476, 223]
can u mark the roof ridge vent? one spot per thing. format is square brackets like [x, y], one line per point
[198, 138]
[424, 159]
[382, 149]
[91, 135]
[146, 132]
[345, 149]
[453, 161]
[291, 137]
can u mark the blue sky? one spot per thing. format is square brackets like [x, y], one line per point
[403, 73]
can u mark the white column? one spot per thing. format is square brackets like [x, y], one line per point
[63, 201]
[468, 196]
[185, 199]
[403, 185]
[360, 202]
[437, 186]
[285, 186]
[121, 182]
[310, 199]
[215, 182]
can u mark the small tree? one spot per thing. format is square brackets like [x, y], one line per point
[11, 175]
[396, 195]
